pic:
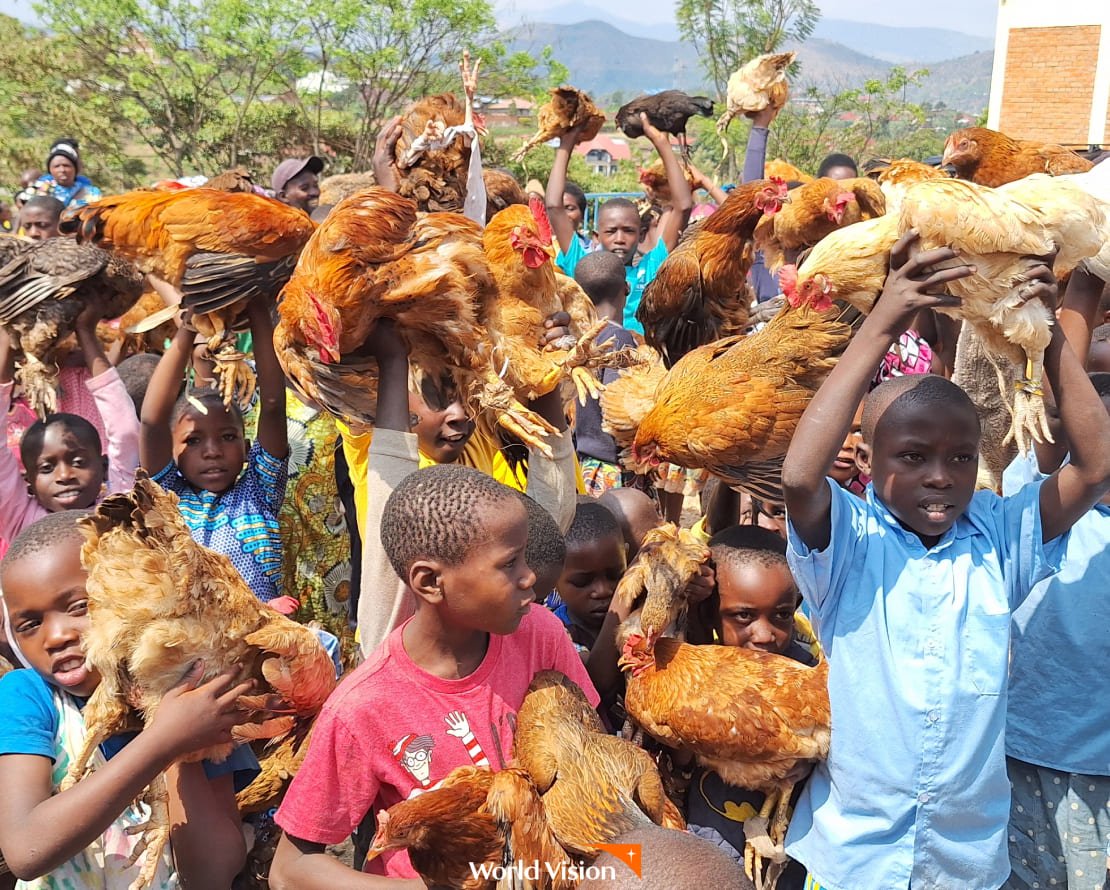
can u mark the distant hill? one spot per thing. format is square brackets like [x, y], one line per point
[645, 64]
[902, 45]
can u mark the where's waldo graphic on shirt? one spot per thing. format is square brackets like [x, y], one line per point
[415, 752]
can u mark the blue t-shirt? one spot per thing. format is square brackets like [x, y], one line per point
[30, 726]
[1056, 716]
[638, 276]
[242, 522]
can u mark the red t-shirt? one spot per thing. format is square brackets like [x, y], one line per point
[392, 731]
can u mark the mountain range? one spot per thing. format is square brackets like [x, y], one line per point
[619, 57]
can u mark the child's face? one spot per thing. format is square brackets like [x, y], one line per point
[48, 608]
[570, 205]
[38, 223]
[493, 588]
[844, 467]
[757, 606]
[69, 472]
[440, 422]
[618, 230]
[590, 577]
[924, 466]
[209, 449]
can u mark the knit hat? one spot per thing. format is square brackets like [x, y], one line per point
[66, 148]
[293, 167]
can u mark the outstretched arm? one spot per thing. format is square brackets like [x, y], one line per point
[302, 865]
[556, 184]
[682, 198]
[272, 432]
[156, 437]
[828, 418]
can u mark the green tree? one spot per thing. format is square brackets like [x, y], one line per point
[728, 33]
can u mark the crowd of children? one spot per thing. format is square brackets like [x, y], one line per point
[444, 568]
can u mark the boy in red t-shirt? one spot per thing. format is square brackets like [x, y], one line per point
[442, 691]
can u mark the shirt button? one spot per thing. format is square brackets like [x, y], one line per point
[924, 797]
[934, 715]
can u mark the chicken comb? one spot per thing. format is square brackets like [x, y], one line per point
[539, 214]
[788, 281]
[780, 184]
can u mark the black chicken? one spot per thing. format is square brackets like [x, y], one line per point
[44, 286]
[668, 111]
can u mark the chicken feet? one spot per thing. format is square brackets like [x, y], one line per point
[766, 838]
[155, 834]
[584, 356]
[1030, 421]
[495, 395]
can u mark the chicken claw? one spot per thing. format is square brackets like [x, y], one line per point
[155, 834]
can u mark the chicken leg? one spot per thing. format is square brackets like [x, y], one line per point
[766, 836]
[155, 834]
[1030, 420]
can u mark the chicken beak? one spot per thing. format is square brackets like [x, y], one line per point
[333, 355]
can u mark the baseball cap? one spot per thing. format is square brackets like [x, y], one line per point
[292, 167]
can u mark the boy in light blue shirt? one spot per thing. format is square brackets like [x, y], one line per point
[911, 592]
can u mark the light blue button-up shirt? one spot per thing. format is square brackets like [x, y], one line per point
[1058, 709]
[914, 793]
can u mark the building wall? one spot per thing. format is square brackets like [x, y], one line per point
[1051, 78]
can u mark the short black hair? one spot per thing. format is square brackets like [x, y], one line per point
[436, 513]
[1100, 380]
[913, 390]
[741, 544]
[30, 447]
[211, 400]
[45, 202]
[601, 275]
[135, 372]
[53, 528]
[618, 204]
[546, 549]
[836, 159]
[591, 522]
[575, 191]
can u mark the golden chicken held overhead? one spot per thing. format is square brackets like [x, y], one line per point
[44, 287]
[158, 603]
[517, 243]
[753, 717]
[700, 293]
[220, 249]
[568, 108]
[372, 258]
[732, 406]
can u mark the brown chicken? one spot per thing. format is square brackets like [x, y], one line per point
[220, 249]
[669, 558]
[568, 108]
[278, 767]
[502, 189]
[628, 399]
[594, 786]
[816, 209]
[372, 258]
[753, 717]
[431, 158]
[668, 110]
[784, 170]
[335, 188]
[44, 287]
[158, 602]
[895, 176]
[732, 406]
[238, 179]
[988, 157]
[759, 84]
[517, 243]
[654, 180]
[700, 293]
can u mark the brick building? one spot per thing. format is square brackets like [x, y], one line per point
[1051, 78]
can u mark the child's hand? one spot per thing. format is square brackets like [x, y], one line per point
[650, 130]
[701, 585]
[89, 317]
[571, 138]
[913, 284]
[555, 326]
[191, 717]
[1042, 284]
[764, 118]
[382, 162]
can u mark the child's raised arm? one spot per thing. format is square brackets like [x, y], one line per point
[683, 199]
[272, 431]
[1078, 485]
[828, 418]
[85, 329]
[156, 437]
[556, 185]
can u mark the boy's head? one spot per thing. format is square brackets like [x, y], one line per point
[756, 595]
[838, 166]
[39, 217]
[921, 449]
[209, 446]
[636, 514]
[618, 228]
[601, 275]
[844, 466]
[457, 538]
[135, 372]
[45, 601]
[595, 564]
[546, 552]
[438, 417]
[64, 463]
[574, 203]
